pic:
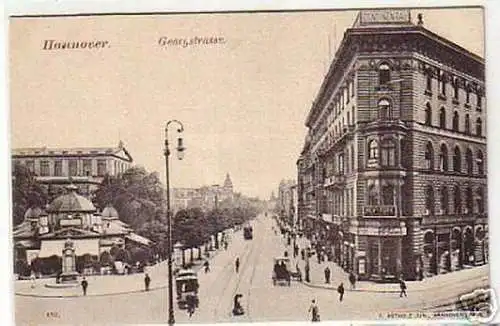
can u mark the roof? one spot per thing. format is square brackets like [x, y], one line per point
[71, 202]
[109, 212]
[139, 239]
[186, 278]
[73, 151]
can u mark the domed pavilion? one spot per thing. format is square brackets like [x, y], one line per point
[44, 231]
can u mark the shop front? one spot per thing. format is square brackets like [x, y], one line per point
[380, 254]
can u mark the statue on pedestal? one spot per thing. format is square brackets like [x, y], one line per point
[69, 273]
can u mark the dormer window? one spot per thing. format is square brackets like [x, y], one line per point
[384, 74]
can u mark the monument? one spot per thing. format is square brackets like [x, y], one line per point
[69, 273]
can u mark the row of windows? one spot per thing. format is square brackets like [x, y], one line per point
[455, 83]
[457, 159]
[455, 122]
[474, 200]
[86, 168]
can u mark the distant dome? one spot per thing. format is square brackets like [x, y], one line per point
[109, 212]
[33, 213]
[71, 202]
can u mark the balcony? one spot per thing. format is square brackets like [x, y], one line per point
[334, 180]
[379, 211]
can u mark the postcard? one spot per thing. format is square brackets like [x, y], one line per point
[250, 166]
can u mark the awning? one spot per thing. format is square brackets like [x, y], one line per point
[137, 238]
[82, 247]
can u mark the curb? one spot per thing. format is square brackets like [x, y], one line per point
[196, 268]
[88, 295]
[348, 290]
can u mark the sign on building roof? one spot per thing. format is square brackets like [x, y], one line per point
[382, 17]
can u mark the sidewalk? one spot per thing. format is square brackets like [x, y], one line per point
[104, 285]
[478, 275]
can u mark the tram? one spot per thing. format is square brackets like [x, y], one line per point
[248, 232]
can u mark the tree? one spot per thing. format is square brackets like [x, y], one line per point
[26, 192]
[137, 196]
[189, 227]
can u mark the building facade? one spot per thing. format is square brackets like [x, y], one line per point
[287, 202]
[392, 174]
[82, 167]
[206, 197]
[44, 231]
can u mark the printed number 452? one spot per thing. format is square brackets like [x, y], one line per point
[52, 314]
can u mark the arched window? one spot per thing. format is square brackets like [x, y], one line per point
[388, 195]
[479, 127]
[457, 160]
[469, 201]
[372, 195]
[443, 158]
[384, 109]
[442, 83]
[457, 198]
[444, 200]
[479, 98]
[388, 151]
[467, 93]
[429, 156]
[468, 159]
[428, 114]
[467, 124]
[428, 76]
[455, 88]
[442, 118]
[373, 149]
[456, 120]
[480, 163]
[384, 74]
[429, 199]
[480, 200]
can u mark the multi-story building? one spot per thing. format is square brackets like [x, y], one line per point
[392, 174]
[287, 201]
[84, 167]
[206, 197]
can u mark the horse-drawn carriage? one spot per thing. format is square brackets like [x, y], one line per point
[282, 272]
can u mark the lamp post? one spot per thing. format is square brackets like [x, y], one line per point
[180, 154]
[216, 200]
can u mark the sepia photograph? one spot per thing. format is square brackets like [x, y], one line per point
[249, 166]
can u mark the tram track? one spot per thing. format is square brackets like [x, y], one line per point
[225, 278]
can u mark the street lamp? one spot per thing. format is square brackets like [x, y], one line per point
[180, 154]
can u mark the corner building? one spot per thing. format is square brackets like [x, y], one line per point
[392, 174]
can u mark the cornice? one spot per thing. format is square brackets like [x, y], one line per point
[377, 40]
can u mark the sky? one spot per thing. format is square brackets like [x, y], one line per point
[243, 103]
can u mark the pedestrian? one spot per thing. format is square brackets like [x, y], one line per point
[314, 310]
[352, 280]
[147, 281]
[207, 266]
[402, 286]
[307, 273]
[237, 264]
[340, 290]
[327, 275]
[303, 254]
[84, 284]
[33, 280]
